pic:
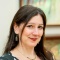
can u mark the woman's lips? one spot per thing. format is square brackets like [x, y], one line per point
[33, 39]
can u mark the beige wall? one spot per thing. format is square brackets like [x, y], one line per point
[7, 11]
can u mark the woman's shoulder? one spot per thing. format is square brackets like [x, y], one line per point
[3, 58]
[7, 56]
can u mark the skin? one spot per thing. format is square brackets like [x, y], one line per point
[31, 36]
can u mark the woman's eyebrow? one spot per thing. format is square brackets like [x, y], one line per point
[34, 23]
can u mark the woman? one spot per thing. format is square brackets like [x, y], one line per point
[26, 36]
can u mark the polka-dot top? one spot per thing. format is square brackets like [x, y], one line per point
[8, 56]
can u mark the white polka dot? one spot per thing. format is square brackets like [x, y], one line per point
[14, 58]
[8, 54]
[2, 55]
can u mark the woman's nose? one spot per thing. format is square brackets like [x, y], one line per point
[35, 31]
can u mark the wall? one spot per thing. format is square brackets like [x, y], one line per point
[7, 10]
[52, 31]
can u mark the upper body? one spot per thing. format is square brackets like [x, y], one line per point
[26, 36]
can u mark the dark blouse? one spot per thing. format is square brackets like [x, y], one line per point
[8, 56]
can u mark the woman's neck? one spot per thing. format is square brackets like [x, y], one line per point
[26, 50]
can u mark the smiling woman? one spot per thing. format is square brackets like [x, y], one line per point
[26, 36]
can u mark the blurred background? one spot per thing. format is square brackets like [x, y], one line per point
[8, 8]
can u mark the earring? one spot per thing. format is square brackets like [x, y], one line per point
[16, 38]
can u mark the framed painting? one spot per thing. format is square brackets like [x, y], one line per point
[50, 7]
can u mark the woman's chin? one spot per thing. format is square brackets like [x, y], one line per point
[32, 45]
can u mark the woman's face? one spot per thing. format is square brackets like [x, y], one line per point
[32, 32]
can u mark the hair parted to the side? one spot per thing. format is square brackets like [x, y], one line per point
[23, 15]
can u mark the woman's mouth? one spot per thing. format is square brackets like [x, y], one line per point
[33, 39]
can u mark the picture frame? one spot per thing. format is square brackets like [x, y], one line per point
[50, 7]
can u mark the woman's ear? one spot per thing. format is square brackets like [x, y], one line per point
[16, 28]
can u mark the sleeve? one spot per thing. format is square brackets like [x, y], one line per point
[3, 58]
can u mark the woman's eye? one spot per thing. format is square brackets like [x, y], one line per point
[30, 26]
[40, 27]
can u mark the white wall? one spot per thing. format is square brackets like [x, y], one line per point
[7, 10]
[52, 31]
